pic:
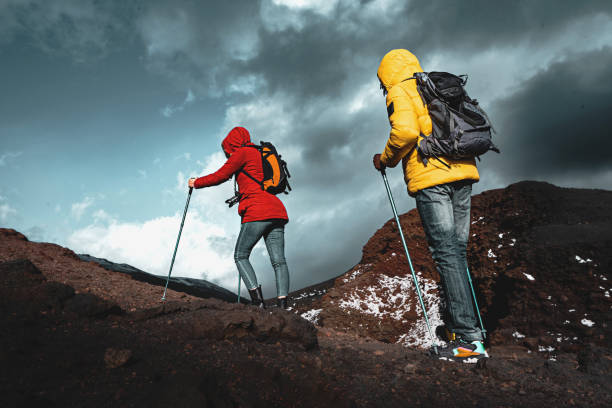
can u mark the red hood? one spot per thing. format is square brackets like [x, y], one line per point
[236, 138]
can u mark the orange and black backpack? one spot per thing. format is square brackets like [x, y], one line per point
[276, 174]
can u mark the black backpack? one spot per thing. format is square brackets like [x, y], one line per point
[460, 128]
[276, 173]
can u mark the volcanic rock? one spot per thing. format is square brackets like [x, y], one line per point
[76, 334]
[540, 258]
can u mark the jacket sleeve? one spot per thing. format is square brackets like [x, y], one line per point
[405, 128]
[231, 166]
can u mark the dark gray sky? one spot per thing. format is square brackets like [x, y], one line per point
[108, 107]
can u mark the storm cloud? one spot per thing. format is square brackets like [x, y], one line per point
[557, 121]
[303, 75]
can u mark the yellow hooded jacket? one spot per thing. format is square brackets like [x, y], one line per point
[410, 120]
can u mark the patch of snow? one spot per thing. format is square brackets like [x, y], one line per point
[607, 294]
[499, 246]
[312, 315]
[603, 278]
[513, 242]
[580, 260]
[352, 276]
[446, 359]
[549, 348]
[549, 297]
[566, 322]
[393, 254]
[528, 276]
[517, 335]
[501, 235]
[552, 359]
[572, 310]
[490, 254]
[479, 218]
[587, 322]
[311, 294]
[395, 296]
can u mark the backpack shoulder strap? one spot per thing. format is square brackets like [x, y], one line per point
[246, 173]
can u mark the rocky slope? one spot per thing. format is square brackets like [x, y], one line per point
[76, 334]
[540, 258]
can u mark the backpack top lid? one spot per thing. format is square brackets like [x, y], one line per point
[442, 85]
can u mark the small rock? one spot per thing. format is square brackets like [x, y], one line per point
[114, 358]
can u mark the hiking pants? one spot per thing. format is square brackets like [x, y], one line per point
[273, 232]
[445, 215]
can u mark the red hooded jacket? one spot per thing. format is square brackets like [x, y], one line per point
[255, 204]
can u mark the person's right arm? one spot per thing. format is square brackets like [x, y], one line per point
[405, 128]
[231, 166]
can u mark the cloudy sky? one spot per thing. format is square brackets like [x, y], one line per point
[108, 107]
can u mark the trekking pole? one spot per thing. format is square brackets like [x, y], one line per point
[416, 283]
[177, 242]
[482, 329]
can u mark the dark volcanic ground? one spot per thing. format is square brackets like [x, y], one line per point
[75, 334]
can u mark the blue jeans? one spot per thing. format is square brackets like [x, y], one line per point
[273, 232]
[445, 215]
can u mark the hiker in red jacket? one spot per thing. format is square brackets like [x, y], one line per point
[263, 214]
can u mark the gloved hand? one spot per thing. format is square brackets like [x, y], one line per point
[377, 164]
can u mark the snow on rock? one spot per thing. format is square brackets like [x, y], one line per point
[490, 254]
[580, 260]
[312, 315]
[394, 297]
[587, 322]
[310, 294]
[528, 276]
[517, 335]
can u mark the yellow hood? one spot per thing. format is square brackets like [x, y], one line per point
[396, 66]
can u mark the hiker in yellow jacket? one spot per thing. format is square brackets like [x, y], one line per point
[442, 196]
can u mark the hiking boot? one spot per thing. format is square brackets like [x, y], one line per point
[281, 303]
[461, 350]
[257, 297]
[444, 334]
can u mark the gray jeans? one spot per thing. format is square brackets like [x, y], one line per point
[445, 215]
[273, 232]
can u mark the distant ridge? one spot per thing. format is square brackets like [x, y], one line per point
[196, 287]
